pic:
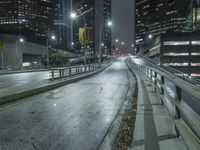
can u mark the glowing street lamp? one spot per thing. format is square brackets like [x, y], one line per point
[73, 15]
[150, 36]
[21, 40]
[109, 23]
[53, 37]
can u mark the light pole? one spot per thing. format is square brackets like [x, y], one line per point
[21, 40]
[72, 16]
[109, 24]
[116, 40]
[150, 36]
[53, 37]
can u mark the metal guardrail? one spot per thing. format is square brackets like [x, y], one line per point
[68, 72]
[59, 73]
[184, 76]
[172, 92]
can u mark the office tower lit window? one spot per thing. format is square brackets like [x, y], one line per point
[159, 16]
[33, 18]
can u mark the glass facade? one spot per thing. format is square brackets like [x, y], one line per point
[159, 16]
[93, 14]
[31, 18]
[193, 20]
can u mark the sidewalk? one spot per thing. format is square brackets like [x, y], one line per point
[154, 128]
[22, 88]
[21, 71]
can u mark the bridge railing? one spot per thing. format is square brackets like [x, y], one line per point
[69, 72]
[184, 76]
[181, 98]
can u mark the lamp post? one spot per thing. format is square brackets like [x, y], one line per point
[53, 37]
[150, 36]
[109, 24]
[21, 40]
[73, 16]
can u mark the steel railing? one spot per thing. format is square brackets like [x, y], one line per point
[179, 74]
[68, 72]
[175, 94]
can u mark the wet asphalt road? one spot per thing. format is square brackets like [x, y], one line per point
[74, 117]
[22, 79]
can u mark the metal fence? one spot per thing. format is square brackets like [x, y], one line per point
[181, 98]
[68, 72]
[184, 76]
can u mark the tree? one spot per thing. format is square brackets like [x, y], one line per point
[57, 58]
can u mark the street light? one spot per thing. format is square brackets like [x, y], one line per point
[73, 15]
[21, 40]
[109, 23]
[116, 40]
[150, 36]
[122, 43]
[53, 37]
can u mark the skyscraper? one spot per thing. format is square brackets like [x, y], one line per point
[62, 23]
[107, 30]
[193, 19]
[93, 14]
[30, 18]
[159, 16]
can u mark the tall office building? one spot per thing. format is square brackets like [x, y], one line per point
[62, 23]
[33, 18]
[159, 16]
[193, 19]
[93, 14]
[107, 30]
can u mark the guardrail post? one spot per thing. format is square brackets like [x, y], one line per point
[52, 74]
[151, 75]
[70, 72]
[60, 73]
[178, 97]
[78, 70]
[162, 83]
[155, 81]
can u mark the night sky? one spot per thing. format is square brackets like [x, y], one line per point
[123, 23]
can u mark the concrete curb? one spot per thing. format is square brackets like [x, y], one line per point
[28, 93]
[110, 136]
[22, 71]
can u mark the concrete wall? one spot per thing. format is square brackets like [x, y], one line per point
[14, 50]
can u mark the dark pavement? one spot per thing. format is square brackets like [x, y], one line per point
[20, 80]
[74, 117]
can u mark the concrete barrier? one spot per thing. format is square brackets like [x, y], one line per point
[175, 94]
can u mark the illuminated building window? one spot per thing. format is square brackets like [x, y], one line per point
[175, 43]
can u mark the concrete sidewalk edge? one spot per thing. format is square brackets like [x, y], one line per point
[22, 71]
[138, 129]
